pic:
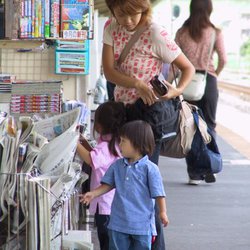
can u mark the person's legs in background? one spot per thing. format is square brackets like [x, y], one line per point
[208, 106]
[110, 90]
[102, 230]
[159, 243]
[208, 103]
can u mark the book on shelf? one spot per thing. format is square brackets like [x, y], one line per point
[55, 18]
[47, 19]
[75, 18]
[39, 19]
[72, 62]
[28, 97]
[72, 45]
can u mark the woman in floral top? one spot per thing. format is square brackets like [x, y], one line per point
[143, 62]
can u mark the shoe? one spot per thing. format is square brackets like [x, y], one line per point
[210, 178]
[194, 182]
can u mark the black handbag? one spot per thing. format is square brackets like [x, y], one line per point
[162, 116]
[203, 159]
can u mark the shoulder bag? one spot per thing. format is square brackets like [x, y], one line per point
[196, 88]
[180, 145]
[203, 159]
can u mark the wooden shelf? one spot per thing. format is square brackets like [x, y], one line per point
[20, 44]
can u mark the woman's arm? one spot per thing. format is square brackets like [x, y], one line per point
[187, 71]
[220, 49]
[122, 79]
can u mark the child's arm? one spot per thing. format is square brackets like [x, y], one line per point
[89, 196]
[83, 153]
[162, 210]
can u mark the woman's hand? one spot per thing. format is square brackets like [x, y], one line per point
[172, 92]
[146, 93]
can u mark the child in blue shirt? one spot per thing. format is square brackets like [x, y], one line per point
[138, 183]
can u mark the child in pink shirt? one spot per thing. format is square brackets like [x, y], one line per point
[109, 117]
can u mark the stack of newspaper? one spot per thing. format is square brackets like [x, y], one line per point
[38, 200]
[29, 97]
[5, 91]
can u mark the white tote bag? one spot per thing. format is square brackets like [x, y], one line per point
[196, 88]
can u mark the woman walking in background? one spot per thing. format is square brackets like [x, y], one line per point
[194, 38]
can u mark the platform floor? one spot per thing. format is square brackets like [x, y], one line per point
[211, 216]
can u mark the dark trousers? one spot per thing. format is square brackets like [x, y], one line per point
[110, 90]
[208, 106]
[102, 231]
[159, 243]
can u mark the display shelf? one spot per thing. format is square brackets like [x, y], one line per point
[18, 44]
[48, 19]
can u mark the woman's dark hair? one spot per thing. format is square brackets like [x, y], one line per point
[110, 116]
[130, 7]
[199, 19]
[140, 135]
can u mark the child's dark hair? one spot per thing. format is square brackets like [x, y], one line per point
[140, 135]
[110, 116]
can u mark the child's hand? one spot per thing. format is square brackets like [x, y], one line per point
[81, 138]
[86, 198]
[164, 219]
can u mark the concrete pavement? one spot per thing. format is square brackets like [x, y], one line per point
[208, 216]
[212, 216]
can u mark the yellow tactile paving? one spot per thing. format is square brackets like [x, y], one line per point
[236, 141]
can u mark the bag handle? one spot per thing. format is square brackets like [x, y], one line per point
[210, 50]
[130, 44]
[209, 56]
[175, 83]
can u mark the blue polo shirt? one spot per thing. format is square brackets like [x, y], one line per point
[136, 185]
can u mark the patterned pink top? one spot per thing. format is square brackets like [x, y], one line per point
[145, 58]
[198, 53]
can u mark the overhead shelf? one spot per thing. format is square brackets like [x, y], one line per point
[20, 44]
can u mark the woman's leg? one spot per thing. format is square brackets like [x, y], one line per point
[208, 103]
[155, 156]
[159, 243]
[102, 231]
[208, 106]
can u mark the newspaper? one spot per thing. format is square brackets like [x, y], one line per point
[45, 178]
[9, 143]
[58, 124]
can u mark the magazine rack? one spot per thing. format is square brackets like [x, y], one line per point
[72, 57]
[39, 200]
[35, 223]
